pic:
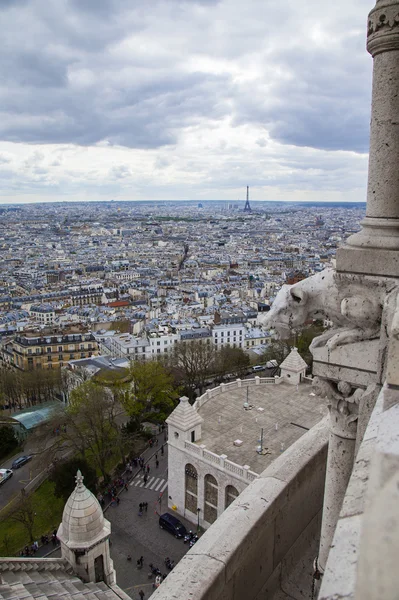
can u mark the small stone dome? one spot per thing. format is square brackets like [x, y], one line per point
[82, 520]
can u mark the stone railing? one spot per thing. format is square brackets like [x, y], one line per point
[267, 533]
[238, 383]
[210, 457]
[222, 463]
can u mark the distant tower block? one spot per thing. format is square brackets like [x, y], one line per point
[247, 207]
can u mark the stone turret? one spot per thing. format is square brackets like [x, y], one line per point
[184, 423]
[293, 367]
[84, 536]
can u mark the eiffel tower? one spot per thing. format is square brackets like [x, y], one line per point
[247, 207]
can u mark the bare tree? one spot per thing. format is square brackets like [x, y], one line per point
[195, 358]
[25, 514]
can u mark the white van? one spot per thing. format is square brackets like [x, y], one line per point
[5, 474]
[272, 364]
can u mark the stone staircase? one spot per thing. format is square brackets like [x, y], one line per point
[47, 579]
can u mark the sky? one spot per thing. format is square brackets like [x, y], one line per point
[184, 99]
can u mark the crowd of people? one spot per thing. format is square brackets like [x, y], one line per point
[45, 540]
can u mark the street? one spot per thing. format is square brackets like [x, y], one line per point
[20, 478]
[142, 536]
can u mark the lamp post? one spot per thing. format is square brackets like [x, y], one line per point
[198, 513]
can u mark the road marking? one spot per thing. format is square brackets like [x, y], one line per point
[161, 481]
[155, 484]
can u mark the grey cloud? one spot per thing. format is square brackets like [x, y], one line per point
[63, 81]
[36, 68]
[323, 101]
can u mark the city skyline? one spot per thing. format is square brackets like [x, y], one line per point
[183, 100]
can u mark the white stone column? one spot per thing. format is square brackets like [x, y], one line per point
[375, 249]
[341, 453]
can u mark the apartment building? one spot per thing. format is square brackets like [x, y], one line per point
[42, 313]
[33, 350]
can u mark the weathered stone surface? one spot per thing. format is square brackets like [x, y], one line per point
[339, 581]
[355, 494]
[356, 363]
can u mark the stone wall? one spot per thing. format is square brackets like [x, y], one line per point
[205, 463]
[262, 535]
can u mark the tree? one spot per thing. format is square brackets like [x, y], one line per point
[231, 361]
[301, 339]
[63, 476]
[88, 426]
[25, 514]
[195, 359]
[8, 441]
[151, 395]
[277, 350]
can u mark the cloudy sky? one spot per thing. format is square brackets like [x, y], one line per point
[183, 99]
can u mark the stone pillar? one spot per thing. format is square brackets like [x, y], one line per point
[341, 453]
[375, 249]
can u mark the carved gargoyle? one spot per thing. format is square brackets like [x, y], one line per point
[354, 308]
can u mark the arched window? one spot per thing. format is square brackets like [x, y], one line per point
[210, 499]
[231, 494]
[191, 487]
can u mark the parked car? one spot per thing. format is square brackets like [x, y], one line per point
[5, 474]
[22, 460]
[172, 524]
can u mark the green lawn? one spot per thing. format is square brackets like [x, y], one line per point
[48, 508]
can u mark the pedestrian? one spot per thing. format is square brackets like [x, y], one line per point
[141, 559]
[145, 479]
[156, 441]
[126, 486]
[148, 469]
[156, 456]
[141, 594]
[145, 506]
[141, 506]
[157, 463]
[117, 500]
[162, 449]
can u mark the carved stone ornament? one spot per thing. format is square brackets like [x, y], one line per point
[383, 27]
[343, 404]
[353, 303]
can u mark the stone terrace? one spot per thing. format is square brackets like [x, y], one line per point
[225, 420]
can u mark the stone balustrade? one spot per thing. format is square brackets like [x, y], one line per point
[271, 529]
[238, 383]
[242, 472]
